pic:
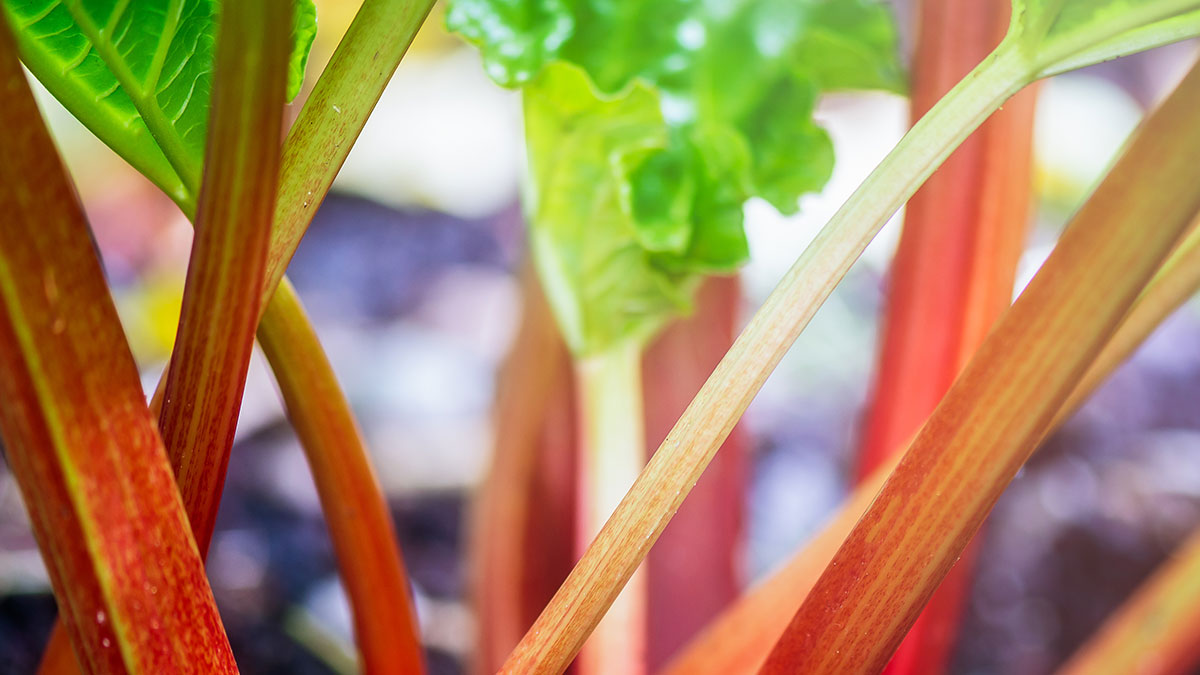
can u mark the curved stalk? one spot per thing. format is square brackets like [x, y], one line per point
[356, 511]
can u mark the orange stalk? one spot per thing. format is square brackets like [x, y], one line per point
[81, 443]
[1002, 405]
[371, 567]
[1174, 284]
[952, 276]
[739, 640]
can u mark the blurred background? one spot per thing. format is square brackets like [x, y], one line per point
[409, 272]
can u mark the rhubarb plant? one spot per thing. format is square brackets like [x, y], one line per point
[951, 277]
[649, 125]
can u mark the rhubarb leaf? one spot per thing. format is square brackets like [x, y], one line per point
[598, 277]
[138, 74]
[724, 95]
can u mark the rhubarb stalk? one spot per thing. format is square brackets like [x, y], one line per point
[952, 276]
[612, 443]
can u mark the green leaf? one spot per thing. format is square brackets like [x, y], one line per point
[304, 31]
[757, 65]
[614, 41]
[734, 83]
[599, 279]
[138, 73]
[1061, 35]
[517, 38]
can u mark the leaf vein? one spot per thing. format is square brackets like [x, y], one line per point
[118, 12]
[169, 31]
[38, 17]
[188, 99]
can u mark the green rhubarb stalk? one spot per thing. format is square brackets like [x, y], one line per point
[334, 115]
[613, 453]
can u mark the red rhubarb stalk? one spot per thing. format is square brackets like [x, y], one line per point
[81, 443]
[694, 570]
[952, 276]
[514, 546]
[207, 373]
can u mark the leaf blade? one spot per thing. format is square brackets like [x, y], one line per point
[138, 74]
[735, 83]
